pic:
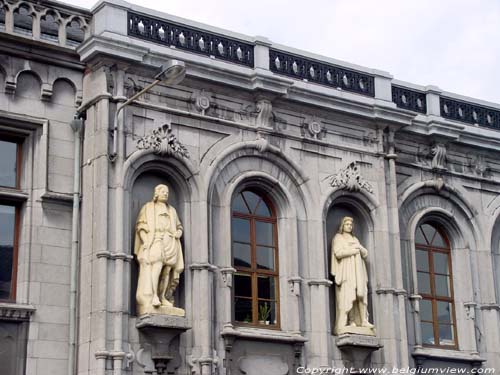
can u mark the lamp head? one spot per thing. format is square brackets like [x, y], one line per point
[172, 72]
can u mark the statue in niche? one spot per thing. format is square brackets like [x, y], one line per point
[351, 282]
[159, 253]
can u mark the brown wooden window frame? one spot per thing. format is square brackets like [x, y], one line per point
[433, 297]
[253, 271]
[5, 201]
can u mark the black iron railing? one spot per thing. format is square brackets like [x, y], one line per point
[470, 113]
[190, 39]
[321, 73]
[409, 99]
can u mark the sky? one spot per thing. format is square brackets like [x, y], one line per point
[452, 44]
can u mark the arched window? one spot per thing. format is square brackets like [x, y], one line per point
[434, 273]
[255, 258]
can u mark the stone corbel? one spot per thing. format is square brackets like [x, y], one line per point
[227, 276]
[46, 91]
[197, 365]
[357, 349]
[10, 85]
[203, 266]
[294, 283]
[415, 302]
[322, 282]
[470, 312]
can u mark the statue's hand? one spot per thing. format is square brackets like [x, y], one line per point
[364, 252]
[178, 234]
[141, 256]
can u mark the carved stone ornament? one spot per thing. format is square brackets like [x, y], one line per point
[314, 128]
[350, 179]
[163, 142]
[438, 152]
[265, 113]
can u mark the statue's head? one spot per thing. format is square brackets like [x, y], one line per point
[161, 193]
[346, 225]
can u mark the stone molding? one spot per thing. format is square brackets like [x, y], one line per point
[16, 312]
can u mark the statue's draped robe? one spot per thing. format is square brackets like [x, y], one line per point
[160, 223]
[351, 277]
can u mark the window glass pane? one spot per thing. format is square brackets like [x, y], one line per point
[239, 205]
[8, 163]
[266, 287]
[429, 232]
[241, 230]
[440, 263]
[442, 286]
[427, 333]
[243, 310]
[267, 313]
[242, 285]
[426, 310]
[241, 255]
[419, 237]
[265, 258]
[252, 200]
[7, 228]
[439, 241]
[443, 312]
[424, 285]
[446, 336]
[422, 260]
[264, 233]
[263, 209]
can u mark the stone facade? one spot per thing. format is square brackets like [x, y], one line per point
[391, 159]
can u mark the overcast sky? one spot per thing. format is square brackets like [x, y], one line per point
[453, 44]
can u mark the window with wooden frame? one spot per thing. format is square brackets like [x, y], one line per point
[435, 285]
[255, 258]
[10, 162]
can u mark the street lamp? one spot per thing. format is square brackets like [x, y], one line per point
[172, 73]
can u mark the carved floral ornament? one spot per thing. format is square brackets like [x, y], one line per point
[350, 179]
[163, 142]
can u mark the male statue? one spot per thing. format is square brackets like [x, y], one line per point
[159, 253]
[351, 281]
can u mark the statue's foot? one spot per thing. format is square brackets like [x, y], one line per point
[352, 324]
[366, 323]
[165, 302]
[156, 301]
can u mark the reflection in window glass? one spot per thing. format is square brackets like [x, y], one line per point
[442, 287]
[264, 233]
[7, 232]
[241, 230]
[242, 255]
[8, 164]
[265, 258]
[422, 260]
[424, 285]
[426, 310]
[427, 333]
[441, 263]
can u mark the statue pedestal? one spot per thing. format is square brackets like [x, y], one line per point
[161, 333]
[356, 349]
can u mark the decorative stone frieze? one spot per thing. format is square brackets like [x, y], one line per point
[16, 312]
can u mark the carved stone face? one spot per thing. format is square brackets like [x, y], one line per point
[161, 192]
[347, 226]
